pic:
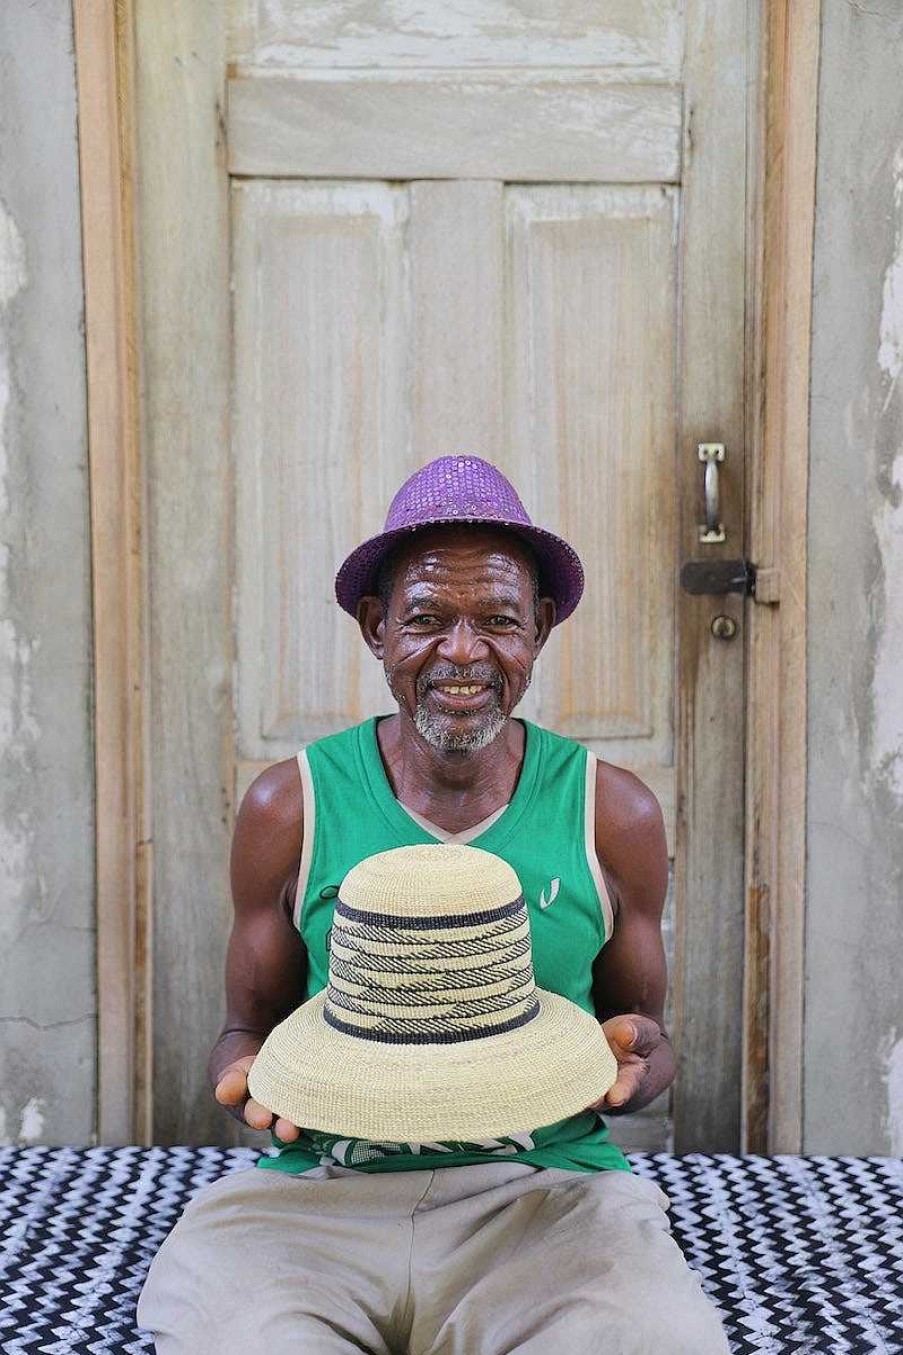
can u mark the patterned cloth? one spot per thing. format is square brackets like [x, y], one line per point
[800, 1254]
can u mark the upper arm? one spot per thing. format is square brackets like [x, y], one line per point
[265, 961]
[630, 974]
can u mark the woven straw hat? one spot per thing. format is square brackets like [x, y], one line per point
[431, 1026]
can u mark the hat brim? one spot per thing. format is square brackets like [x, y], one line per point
[555, 1066]
[560, 571]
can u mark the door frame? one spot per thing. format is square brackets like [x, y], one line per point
[104, 63]
[776, 759]
[781, 160]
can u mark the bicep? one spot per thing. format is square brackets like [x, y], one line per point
[630, 973]
[265, 961]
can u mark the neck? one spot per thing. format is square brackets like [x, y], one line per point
[452, 789]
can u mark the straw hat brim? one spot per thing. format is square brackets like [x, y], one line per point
[320, 1078]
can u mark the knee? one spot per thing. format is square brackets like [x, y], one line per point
[682, 1327]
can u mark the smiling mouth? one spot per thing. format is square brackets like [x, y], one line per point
[461, 698]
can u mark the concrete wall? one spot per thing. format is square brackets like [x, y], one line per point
[47, 1000]
[854, 944]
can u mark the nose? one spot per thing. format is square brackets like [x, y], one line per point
[460, 645]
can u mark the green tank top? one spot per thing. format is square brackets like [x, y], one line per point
[546, 834]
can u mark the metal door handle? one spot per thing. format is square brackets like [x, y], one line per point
[712, 530]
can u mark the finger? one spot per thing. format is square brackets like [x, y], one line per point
[625, 1087]
[232, 1087]
[285, 1130]
[257, 1116]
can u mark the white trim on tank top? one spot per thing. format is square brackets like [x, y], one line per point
[309, 810]
[589, 842]
[464, 836]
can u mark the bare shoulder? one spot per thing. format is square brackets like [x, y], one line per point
[266, 844]
[630, 832]
[274, 797]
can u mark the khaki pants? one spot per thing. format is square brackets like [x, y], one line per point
[483, 1260]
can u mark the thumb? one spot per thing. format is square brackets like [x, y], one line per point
[232, 1087]
[621, 1032]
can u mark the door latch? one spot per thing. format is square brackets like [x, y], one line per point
[702, 577]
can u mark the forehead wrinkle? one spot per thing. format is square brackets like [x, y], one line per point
[437, 570]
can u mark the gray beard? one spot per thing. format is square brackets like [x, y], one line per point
[431, 729]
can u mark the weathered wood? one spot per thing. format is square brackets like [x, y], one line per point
[103, 44]
[322, 439]
[547, 126]
[593, 327]
[458, 338]
[709, 868]
[185, 325]
[634, 39]
[776, 752]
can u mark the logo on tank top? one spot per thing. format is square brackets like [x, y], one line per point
[553, 894]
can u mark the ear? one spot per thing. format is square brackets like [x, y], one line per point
[545, 620]
[371, 618]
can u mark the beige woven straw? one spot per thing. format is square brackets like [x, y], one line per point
[431, 1027]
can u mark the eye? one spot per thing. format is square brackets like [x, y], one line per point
[503, 622]
[421, 619]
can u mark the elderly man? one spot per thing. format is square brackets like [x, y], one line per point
[543, 1243]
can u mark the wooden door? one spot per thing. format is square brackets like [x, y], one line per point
[376, 234]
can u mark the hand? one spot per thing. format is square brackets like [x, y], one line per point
[633, 1039]
[232, 1090]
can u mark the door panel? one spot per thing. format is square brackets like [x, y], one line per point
[510, 125]
[322, 437]
[626, 35]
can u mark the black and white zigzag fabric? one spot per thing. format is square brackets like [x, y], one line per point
[800, 1254]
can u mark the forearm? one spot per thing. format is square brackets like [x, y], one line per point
[661, 1067]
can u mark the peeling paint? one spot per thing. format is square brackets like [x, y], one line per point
[640, 40]
[18, 728]
[893, 1080]
[890, 352]
[31, 1125]
[13, 273]
[887, 684]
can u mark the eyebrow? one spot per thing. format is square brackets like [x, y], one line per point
[421, 601]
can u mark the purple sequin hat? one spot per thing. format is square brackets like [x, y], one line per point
[462, 489]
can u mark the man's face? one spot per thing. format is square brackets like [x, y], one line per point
[459, 634]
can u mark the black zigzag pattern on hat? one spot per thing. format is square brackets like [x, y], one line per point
[799, 1254]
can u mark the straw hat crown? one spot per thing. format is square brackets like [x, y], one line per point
[427, 955]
